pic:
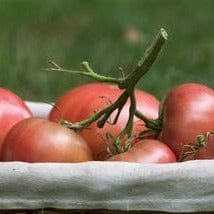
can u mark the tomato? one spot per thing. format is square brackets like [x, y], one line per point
[147, 151]
[188, 111]
[12, 110]
[79, 103]
[40, 140]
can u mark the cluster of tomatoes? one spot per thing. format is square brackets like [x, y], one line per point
[185, 129]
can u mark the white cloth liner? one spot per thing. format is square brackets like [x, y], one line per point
[40, 109]
[177, 187]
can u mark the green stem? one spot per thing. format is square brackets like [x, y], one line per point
[129, 125]
[192, 148]
[128, 84]
[155, 125]
[118, 104]
[104, 114]
[131, 80]
[87, 72]
[132, 109]
[146, 62]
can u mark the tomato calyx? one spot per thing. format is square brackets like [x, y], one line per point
[154, 126]
[192, 148]
[116, 149]
[126, 83]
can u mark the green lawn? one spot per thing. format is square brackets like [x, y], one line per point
[107, 33]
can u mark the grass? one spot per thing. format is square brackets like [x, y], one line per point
[109, 34]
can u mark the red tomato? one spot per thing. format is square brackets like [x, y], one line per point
[147, 151]
[80, 103]
[12, 110]
[188, 111]
[40, 140]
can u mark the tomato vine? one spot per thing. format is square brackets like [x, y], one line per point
[191, 148]
[126, 83]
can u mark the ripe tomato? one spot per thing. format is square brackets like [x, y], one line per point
[79, 103]
[40, 140]
[188, 111]
[12, 110]
[147, 151]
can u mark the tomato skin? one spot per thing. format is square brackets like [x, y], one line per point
[40, 140]
[147, 151]
[79, 103]
[12, 110]
[188, 111]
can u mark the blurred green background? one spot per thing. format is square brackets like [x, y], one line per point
[107, 33]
